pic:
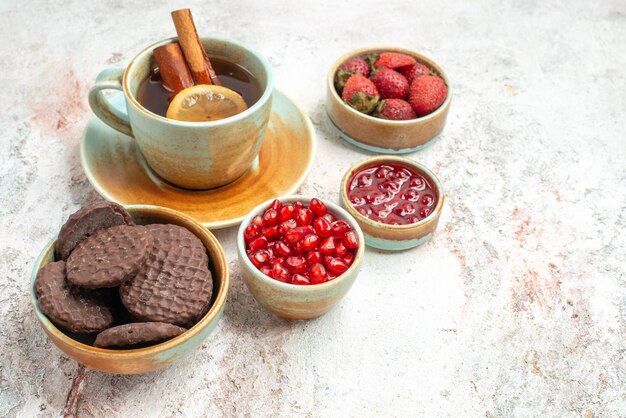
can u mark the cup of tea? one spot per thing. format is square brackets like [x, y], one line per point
[193, 155]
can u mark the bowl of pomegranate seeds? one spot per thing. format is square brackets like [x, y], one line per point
[387, 100]
[395, 200]
[299, 255]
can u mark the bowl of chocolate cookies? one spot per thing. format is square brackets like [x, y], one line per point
[130, 289]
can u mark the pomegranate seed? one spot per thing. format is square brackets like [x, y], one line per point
[287, 212]
[258, 244]
[282, 249]
[266, 270]
[424, 212]
[308, 230]
[260, 258]
[297, 249]
[251, 232]
[427, 200]
[299, 279]
[404, 210]
[330, 218]
[309, 243]
[298, 205]
[258, 221]
[341, 249]
[383, 172]
[318, 274]
[276, 205]
[318, 207]
[410, 195]
[339, 228]
[348, 258]
[373, 196]
[314, 257]
[304, 217]
[364, 180]
[351, 240]
[271, 232]
[322, 227]
[390, 186]
[327, 246]
[270, 217]
[403, 174]
[278, 260]
[294, 235]
[336, 265]
[296, 264]
[417, 183]
[287, 225]
[279, 272]
[357, 201]
[413, 219]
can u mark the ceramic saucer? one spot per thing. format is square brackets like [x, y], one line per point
[117, 170]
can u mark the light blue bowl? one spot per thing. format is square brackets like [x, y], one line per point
[155, 357]
[297, 301]
[394, 237]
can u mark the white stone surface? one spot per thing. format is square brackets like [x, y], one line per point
[516, 308]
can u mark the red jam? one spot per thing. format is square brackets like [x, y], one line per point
[392, 194]
[299, 244]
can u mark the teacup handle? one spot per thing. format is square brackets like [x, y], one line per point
[109, 79]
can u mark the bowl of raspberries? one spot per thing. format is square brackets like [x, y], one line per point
[387, 100]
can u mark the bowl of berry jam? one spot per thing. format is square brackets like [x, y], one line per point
[299, 256]
[387, 100]
[395, 200]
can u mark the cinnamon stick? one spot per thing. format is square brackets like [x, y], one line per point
[195, 55]
[173, 68]
[211, 71]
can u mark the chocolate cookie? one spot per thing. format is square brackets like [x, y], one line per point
[109, 257]
[86, 221]
[72, 308]
[137, 333]
[175, 284]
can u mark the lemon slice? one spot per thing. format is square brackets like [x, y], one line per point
[205, 102]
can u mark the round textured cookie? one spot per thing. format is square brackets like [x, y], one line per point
[67, 306]
[137, 333]
[175, 283]
[109, 257]
[86, 221]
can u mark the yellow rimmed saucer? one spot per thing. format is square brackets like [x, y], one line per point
[117, 170]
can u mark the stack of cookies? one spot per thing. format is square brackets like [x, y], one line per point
[129, 285]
